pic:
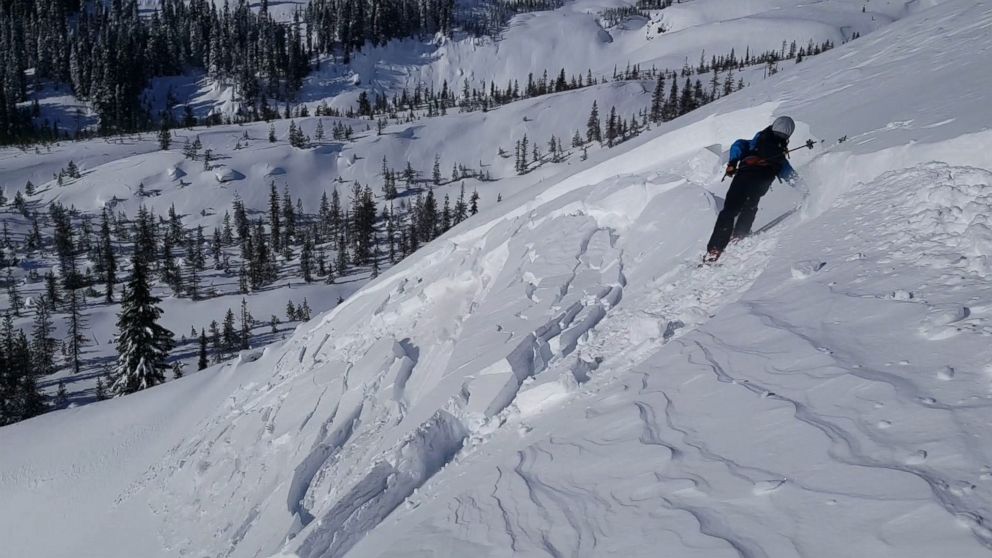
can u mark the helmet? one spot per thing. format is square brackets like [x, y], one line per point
[783, 127]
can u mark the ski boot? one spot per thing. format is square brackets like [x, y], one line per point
[712, 255]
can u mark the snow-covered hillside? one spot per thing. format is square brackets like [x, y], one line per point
[557, 376]
[575, 37]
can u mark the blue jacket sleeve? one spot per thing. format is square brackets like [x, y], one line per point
[741, 148]
[738, 151]
[787, 173]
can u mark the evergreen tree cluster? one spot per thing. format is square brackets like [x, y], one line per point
[341, 238]
[346, 25]
[20, 397]
[489, 17]
[108, 51]
[429, 101]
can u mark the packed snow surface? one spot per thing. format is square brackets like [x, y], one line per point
[559, 377]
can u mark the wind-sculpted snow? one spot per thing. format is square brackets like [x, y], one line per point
[559, 377]
[802, 419]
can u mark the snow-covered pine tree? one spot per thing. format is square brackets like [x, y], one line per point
[108, 258]
[658, 100]
[612, 128]
[75, 324]
[436, 171]
[593, 130]
[229, 335]
[274, 217]
[306, 259]
[461, 208]
[446, 214]
[288, 216]
[43, 345]
[14, 299]
[247, 321]
[164, 137]
[143, 345]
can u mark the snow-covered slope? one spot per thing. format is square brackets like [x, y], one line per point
[574, 38]
[558, 377]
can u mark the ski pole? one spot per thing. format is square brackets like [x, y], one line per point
[808, 145]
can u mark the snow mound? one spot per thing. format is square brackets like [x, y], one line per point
[175, 173]
[227, 174]
[268, 169]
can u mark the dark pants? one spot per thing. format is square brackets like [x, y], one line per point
[740, 207]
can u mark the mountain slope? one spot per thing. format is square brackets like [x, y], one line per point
[557, 377]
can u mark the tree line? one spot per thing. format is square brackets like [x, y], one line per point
[110, 258]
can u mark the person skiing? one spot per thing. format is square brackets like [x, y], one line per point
[753, 165]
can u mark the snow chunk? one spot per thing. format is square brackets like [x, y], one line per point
[268, 169]
[227, 175]
[804, 269]
[544, 396]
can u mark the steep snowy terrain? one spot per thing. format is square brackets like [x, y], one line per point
[126, 173]
[557, 376]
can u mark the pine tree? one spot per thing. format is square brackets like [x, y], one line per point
[14, 298]
[75, 324]
[274, 217]
[52, 291]
[461, 209]
[306, 259]
[164, 137]
[101, 389]
[142, 343]
[593, 130]
[108, 258]
[229, 335]
[341, 265]
[687, 101]
[658, 100]
[288, 216]
[65, 246]
[335, 214]
[446, 214]
[246, 323]
[474, 203]
[202, 361]
[170, 272]
[42, 343]
[612, 128]
[670, 110]
[436, 172]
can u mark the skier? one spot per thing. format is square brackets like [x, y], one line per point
[753, 165]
